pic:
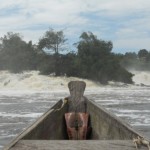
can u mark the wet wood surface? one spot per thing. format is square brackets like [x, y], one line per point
[75, 145]
[76, 100]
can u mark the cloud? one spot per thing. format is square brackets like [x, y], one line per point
[131, 45]
[120, 21]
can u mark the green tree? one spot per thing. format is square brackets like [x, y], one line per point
[53, 43]
[68, 64]
[16, 55]
[97, 62]
[142, 54]
[130, 60]
[148, 57]
[45, 64]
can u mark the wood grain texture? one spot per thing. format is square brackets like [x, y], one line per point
[77, 102]
[75, 145]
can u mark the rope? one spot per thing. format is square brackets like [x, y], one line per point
[63, 104]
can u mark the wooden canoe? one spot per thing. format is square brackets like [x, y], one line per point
[49, 132]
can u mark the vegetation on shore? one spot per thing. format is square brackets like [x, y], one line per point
[93, 59]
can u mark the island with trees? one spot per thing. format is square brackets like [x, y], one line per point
[93, 58]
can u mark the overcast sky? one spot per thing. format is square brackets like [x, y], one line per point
[124, 22]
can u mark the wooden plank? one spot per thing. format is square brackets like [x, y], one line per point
[107, 126]
[76, 100]
[35, 125]
[75, 145]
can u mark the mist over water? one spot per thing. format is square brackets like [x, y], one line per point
[24, 97]
[34, 81]
[141, 77]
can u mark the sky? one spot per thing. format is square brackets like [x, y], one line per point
[124, 22]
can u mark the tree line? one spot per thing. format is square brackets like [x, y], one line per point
[93, 59]
[137, 61]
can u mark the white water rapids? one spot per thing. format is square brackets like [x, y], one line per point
[24, 97]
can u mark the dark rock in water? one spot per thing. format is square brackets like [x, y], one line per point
[142, 84]
[6, 83]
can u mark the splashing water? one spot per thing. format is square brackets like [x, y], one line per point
[141, 77]
[34, 81]
[24, 97]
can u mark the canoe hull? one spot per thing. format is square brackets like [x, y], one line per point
[52, 126]
[105, 126]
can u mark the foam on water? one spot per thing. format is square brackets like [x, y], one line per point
[132, 111]
[26, 96]
[11, 123]
[7, 136]
[141, 77]
[28, 115]
[34, 81]
[7, 103]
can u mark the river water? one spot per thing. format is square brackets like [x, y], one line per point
[20, 108]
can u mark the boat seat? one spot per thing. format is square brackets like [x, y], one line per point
[75, 145]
